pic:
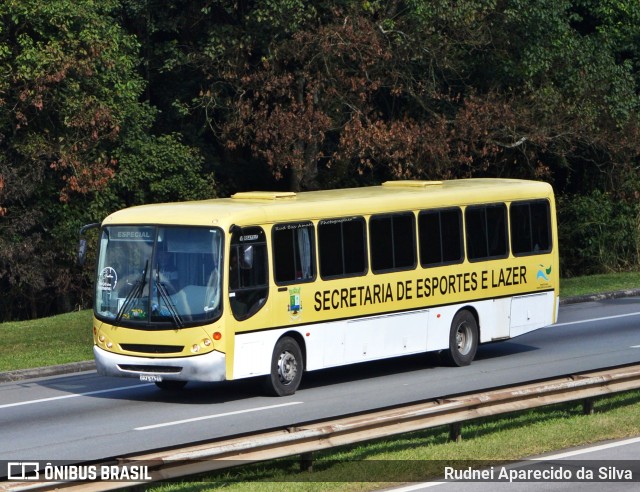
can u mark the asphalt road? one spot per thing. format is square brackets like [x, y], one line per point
[83, 417]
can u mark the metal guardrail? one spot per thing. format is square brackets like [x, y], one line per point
[306, 439]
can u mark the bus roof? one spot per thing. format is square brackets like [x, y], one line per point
[262, 207]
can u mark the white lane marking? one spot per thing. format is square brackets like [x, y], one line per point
[590, 449]
[418, 486]
[558, 456]
[74, 395]
[217, 415]
[594, 319]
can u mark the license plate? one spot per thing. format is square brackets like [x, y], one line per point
[151, 377]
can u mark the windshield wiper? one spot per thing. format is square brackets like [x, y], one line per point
[175, 316]
[134, 293]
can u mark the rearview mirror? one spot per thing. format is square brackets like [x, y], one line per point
[82, 246]
[82, 251]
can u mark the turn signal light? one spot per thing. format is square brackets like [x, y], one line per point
[217, 336]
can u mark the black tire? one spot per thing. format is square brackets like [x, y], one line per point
[463, 339]
[286, 368]
[171, 385]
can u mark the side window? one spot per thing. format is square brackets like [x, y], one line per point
[248, 281]
[342, 247]
[530, 227]
[440, 234]
[293, 252]
[486, 231]
[392, 242]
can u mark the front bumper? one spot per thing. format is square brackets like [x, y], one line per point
[205, 367]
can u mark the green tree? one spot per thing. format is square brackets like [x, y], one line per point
[71, 121]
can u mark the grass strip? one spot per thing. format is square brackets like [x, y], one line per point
[46, 342]
[420, 456]
[594, 284]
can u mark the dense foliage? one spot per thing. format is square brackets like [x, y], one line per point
[114, 103]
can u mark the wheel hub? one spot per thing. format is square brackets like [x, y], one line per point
[463, 339]
[287, 367]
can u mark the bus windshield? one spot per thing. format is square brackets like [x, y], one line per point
[159, 277]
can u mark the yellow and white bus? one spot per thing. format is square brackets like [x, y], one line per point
[274, 284]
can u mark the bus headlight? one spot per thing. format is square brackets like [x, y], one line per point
[102, 340]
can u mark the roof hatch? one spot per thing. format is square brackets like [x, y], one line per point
[264, 195]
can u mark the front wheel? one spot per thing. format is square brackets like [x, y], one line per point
[463, 339]
[286, 368]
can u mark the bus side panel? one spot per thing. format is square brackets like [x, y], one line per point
[365, 339]
[385, 336]
[494, 319]
[330, 352]
[531, 312]
[332, 344]
[253, 353]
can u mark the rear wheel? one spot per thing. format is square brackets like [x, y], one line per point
[286, 368]
[463, 339]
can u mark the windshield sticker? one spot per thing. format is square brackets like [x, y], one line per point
[108, 279]
[292, 227]
[341, 220]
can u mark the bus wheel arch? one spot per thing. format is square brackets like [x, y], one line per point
[464, 337]
[287, 365]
